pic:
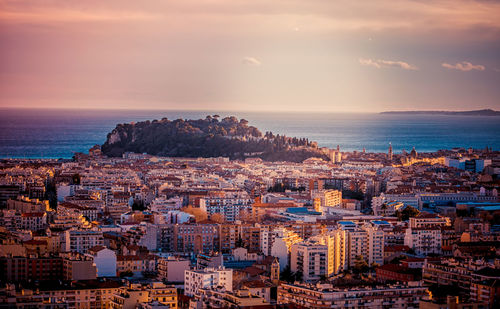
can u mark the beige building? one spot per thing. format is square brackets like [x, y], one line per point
[215, 298]
[328, 198]
[329, 296]
[131, 296]
[172, 269]
[313, 258]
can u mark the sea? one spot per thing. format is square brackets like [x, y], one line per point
[59, 133]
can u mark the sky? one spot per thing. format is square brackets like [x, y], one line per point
[251, 55]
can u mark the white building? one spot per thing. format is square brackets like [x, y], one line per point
[229, 204]
[376, 241]
[206, 279]
[104, 260]
[173, 217]
[278, 243]
[163, 205]
[424, 240]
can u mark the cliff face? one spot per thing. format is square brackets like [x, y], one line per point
[209, 137]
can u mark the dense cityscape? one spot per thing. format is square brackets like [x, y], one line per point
[253, 154]
[360, 230]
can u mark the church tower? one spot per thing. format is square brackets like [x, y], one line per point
[390, 152]
[275, 271]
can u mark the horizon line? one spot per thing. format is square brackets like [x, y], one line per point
[229, 110]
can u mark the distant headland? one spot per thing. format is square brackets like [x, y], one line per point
[209, 137]
[480, 112]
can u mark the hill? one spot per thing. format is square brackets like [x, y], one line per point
[209, 137]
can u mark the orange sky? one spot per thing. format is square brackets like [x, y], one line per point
[295, 55]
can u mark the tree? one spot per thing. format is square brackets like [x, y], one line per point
[138, 205]
[287, 275]
[374, 265]
[244, 215]
[239, 242]
[278, 187]
[218, 217]
[127, 273]
[198, 213]
[75, 179]
[357, 195]
[51, 192]
[407, 213]
[360, 264]
[298, 276]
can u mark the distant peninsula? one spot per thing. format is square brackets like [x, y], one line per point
[480, 112]
[209, 137]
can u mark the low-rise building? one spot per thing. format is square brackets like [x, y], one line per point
[329, 296]
[220, 298]
[171, 269]
[206, 279]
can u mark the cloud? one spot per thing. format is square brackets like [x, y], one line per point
[463, 66]
[251, 61]
[387, 64]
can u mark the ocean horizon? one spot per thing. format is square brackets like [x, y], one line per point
[58, 133]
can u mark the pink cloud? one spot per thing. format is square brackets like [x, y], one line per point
[387, 63]
[463, 66]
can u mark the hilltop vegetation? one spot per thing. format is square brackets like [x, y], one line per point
[209, 137]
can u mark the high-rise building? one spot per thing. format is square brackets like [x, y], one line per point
[366, 241]
[313, 258]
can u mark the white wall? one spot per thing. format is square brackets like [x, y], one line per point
[105, 261]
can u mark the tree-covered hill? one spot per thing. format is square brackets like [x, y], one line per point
[209, 137]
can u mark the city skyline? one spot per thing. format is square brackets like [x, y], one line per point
[247, 56]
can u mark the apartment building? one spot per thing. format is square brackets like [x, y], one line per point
[82, 240]
[171, 269]
[329, 296]
[130, 296]
[424, 240]
[313, 258]
[207, 278]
